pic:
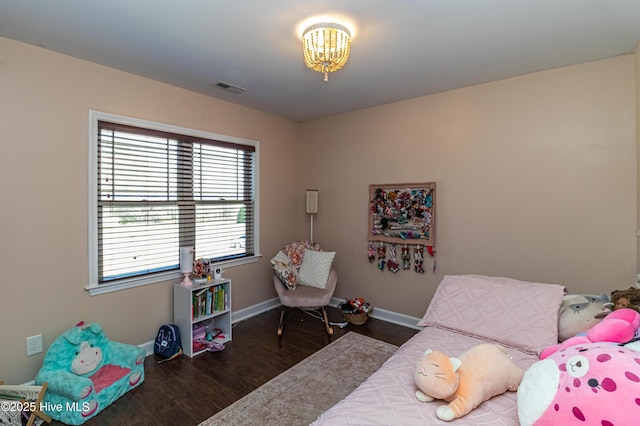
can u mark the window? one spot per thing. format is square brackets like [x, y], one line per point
[155, 188]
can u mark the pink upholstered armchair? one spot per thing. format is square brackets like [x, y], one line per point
[304, 278]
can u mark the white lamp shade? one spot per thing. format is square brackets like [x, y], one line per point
[186, 260]
[312, 201]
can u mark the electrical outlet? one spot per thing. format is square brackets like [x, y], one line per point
[34, 345]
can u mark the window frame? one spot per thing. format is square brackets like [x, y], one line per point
[94, 287]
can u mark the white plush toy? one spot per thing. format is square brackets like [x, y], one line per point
[580, 312]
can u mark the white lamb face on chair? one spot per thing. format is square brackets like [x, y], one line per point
[87, 359]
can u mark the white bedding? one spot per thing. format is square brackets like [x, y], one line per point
[388, 396]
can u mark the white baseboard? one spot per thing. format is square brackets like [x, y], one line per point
[148, 347]
[381, 314]
[237, 316]
[389, 316]
[251, 311]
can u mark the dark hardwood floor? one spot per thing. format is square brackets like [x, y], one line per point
[187, 391]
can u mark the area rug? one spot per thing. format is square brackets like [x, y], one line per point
[306, 390]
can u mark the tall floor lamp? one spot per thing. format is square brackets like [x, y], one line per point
[312, 205]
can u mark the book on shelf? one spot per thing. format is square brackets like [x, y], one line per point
[209, 300]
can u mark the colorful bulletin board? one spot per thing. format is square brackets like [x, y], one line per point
[401, 217]
[402, 213]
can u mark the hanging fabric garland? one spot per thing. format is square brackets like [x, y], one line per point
[392, 263]
[406, 257]
[371, 251]
[418, 257]
[382, 256]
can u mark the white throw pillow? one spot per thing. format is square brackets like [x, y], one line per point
[315, 268]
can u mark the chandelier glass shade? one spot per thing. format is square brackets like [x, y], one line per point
[326, 47]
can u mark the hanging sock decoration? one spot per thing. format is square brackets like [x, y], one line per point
[392, 263]
[371, 251]
[382, 256]
[406, 257]
[418, 256]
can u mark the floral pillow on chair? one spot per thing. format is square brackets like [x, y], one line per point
[285, 271]
[295, 251]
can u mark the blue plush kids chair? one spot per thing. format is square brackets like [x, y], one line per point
[86, 372]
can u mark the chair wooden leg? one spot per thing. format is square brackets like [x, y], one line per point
[29, 396]
[37, 411]
[281, 324]
[326, 321]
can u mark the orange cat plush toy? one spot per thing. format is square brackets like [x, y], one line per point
[482, 372]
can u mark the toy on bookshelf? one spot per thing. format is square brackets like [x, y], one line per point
[203, 338]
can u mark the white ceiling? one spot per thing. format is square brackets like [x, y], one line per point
[401, 49]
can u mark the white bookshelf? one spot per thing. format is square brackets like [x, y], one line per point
[189, 309]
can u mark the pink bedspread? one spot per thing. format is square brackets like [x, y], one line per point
[388, 396]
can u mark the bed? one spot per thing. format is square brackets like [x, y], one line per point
[465, 311]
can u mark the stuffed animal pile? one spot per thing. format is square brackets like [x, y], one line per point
[592, 377]
[618, 327]
[588, 379]
[480, 373]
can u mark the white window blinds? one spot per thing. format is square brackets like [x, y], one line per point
[158, 191]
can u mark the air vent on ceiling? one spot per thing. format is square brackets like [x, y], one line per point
[229, 87]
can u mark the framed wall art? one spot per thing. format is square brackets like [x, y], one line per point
[402, 213]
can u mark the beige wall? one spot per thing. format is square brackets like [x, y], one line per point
[535, 180]
[637, 91]
[45, 99]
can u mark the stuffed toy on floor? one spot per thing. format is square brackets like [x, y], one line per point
[586, 384]
[482, 372]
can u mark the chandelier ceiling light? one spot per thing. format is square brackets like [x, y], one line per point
[326, 47]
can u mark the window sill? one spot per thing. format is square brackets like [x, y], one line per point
[167, 276]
